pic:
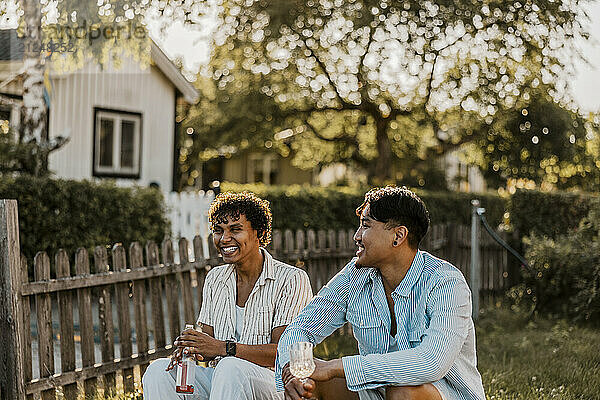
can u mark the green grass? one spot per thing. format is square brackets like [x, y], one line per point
[520, 359]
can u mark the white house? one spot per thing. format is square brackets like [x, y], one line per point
[121, 122]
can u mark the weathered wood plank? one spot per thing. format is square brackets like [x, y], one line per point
[139, 303]
[201, 269]
[76, 282]
[158, 321]
[101, 369]
[106, 326]
[86, 325]
[12, 351]
[122, 297]
[171, 290]
[67, 331]
[44, 323]
[186, 284]
[26, 331]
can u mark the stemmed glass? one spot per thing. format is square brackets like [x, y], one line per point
[302, 364]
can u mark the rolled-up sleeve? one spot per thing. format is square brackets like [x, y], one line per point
[449, 309]
[295, 296]
[205, 317]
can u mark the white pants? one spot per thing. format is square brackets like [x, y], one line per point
[232, 379]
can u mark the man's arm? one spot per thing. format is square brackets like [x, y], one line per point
[204, 344]
[323, 315]
[450, 313]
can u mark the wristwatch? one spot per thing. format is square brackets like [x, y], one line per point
[230, 347]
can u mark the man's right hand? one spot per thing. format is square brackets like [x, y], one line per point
[294, 388]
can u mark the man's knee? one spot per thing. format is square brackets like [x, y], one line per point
[231, 368]
[156, 371]
[421, 392]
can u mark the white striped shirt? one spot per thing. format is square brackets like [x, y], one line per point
[278, 295]
[435, 334]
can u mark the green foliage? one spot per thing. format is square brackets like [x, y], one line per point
[309, 207]
[382, 87]
[564, 273]
[543, 142]
[547, 214]
[65, 214]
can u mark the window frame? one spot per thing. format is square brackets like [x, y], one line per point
[116, 171]
[269, 164]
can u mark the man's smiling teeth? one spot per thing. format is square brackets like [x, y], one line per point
[228, 249]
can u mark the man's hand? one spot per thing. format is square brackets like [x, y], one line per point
[203, 346]
[324, 371]
[175, 358]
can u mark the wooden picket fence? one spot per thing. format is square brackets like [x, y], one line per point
[153, 291]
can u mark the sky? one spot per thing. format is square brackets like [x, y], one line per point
[585, 88]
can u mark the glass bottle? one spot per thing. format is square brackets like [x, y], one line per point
[186, 370]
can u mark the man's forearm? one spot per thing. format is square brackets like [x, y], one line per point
[336, 368]
[261, 354]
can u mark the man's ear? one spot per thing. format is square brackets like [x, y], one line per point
[400, 235]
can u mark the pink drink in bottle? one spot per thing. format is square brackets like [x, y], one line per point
[186, 371]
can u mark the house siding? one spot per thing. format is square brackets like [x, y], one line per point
[129, 88]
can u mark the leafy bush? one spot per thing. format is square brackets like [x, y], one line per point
[66, 214]
[564, 273]
[547, 214]
[303, 207]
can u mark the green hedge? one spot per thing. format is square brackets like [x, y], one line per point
[65, 214]
[547, 214]
[564, 273]
[309, 207]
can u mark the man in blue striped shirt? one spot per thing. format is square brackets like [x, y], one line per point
[410, 313]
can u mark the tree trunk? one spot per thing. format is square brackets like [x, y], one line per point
[383, 164]
[33, 118]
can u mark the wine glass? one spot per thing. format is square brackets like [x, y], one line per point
[302, 364]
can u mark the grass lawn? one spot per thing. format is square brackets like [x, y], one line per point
[521, 359]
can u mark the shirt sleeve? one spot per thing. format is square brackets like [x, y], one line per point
[205, 317]
[295, 296]
[449, 308]
[323, 315]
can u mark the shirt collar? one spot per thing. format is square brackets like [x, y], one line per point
[412, 275]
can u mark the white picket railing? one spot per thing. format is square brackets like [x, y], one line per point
[188, 213]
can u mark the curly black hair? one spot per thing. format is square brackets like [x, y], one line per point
[232, 205]
[396, 206]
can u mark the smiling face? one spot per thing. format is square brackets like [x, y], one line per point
[236, 240]
[374, 241]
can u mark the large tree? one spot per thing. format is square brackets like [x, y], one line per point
[375, 83]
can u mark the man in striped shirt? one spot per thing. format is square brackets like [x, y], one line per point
[246, 305]
[410, 313]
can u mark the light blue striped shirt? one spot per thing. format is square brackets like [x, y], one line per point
[435, 337]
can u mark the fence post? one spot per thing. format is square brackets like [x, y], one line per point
[12, 385]
[475, 257]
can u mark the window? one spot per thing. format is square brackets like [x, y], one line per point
[117, 143]
[262, 168]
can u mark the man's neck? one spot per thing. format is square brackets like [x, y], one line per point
[394, 272]
[249, 269]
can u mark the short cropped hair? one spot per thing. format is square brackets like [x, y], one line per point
[396, 206]
[232, 205]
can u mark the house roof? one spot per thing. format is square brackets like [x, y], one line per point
[12, 49]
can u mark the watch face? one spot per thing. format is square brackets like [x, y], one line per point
[230, 348]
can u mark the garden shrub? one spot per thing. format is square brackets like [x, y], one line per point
[55, 214]
[309, 207]
[564, 273]
[547, 214]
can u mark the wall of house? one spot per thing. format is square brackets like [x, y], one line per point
[128, 88]
[236, 169]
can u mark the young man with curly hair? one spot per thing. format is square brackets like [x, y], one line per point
[246, 305]
[410, 313]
